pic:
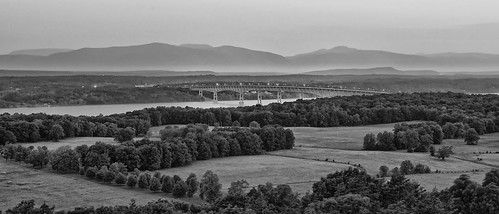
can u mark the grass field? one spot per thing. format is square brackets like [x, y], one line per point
[442, 181]
[298, 173]
[21, 182]
[73, 142]
[348, 138]
[372, 160]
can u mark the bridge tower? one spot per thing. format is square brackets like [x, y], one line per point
[241, 98]
[215, 97]
[279, 97]
[259, 97]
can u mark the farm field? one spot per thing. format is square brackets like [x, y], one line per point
[372, 160]
[442, 181]
[21, 182]
[347, 138]
[260, 169]
[73, 142]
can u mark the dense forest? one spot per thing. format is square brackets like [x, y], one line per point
[480, 112]
[343, 192]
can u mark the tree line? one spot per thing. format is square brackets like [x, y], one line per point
[178, 147]
[343, 192]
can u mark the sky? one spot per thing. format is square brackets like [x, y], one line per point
[285, 27]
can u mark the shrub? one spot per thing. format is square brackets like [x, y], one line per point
[101, 173]
[109, 176]
[179, 189]
[131, 181]
[91, 172]
[193, 185]
[120, 179]
[143, 181]
[167, 184]
[154, 184]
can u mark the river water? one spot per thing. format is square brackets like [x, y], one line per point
[94, 110]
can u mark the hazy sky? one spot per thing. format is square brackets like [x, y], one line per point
[286, 27]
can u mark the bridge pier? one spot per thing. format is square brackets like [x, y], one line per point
[241, 99]
[259, 98]
[279, 97]
[215, 97]
[200, 93]
[300, 96]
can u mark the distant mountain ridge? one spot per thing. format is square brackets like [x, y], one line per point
[231, 59]
[39, 52]
[370, 71]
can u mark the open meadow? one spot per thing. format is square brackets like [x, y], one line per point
[22, 182]
[298, 173]
[347, 138]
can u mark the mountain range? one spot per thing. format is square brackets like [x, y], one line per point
[201, 57]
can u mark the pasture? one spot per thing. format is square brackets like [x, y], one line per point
[260, 169]
[73, 142]
[22, 182]
[347, 138]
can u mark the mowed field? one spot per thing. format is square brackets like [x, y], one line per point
[260, 169]
[21, 182]
[347, 138]
[73, 142]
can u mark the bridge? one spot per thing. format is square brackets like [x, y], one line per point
[318, 91]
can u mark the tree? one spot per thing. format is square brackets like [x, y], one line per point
[432, 151]
[120, 179]
[449, 130]
[64, 159]
[193, 185]
[210, 187]
[38, 157]
[471, 137]
[150, 157]
[385, 141]
[154, 184]
[91, 172]
[125, 134]
[179, 189]
[129, 156]
[406, 167]
[444, 152]
[491, 177]
[167, 184]
[102, 173]
[144, 180]
[56, 133]
[370, 142]
[236, 124]
[6, 137]
[254, 124]
[383, 171]
[131, 181]
[109, 176]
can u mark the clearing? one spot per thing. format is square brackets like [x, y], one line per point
[260, 169]
[347, 138]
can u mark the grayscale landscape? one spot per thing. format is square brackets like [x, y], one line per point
[251, 107]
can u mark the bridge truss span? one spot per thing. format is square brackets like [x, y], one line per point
[317, 91]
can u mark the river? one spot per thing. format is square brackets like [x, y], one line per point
[94, 110]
